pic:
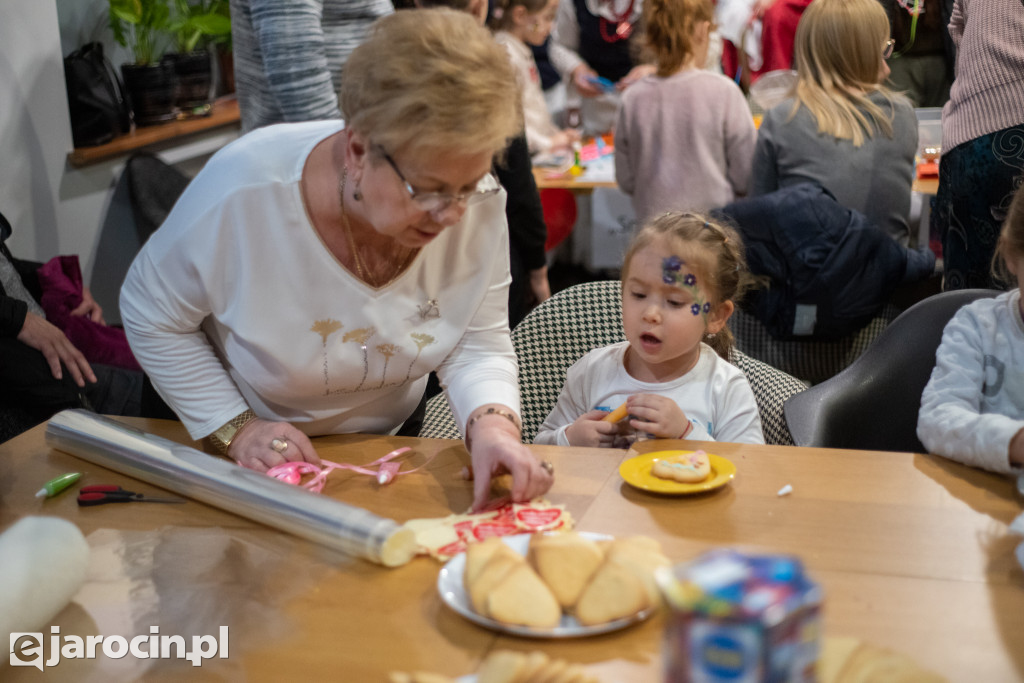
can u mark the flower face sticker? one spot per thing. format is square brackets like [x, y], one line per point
[671, 273]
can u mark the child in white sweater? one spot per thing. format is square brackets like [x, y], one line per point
[679, 279]
[518, 24]
[972, 409]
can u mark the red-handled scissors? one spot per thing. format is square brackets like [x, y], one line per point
[103, 494]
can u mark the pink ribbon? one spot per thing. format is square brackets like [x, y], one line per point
[384, 470]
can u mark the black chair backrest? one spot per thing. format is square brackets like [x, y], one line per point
[873, 404]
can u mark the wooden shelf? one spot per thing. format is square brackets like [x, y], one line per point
[224, 113]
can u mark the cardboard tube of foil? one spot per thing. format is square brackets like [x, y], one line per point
[228, 486]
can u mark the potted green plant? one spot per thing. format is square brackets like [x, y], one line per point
[140, 26]
[194, 24]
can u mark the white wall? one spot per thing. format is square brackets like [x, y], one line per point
[35, 132]
[54, 208]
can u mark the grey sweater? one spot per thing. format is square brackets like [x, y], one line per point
[289, 55]
[874, 178]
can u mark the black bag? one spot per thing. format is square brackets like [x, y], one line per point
[99, 109]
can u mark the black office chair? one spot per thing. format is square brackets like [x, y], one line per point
[873, 403]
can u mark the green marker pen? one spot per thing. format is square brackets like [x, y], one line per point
[55, 486]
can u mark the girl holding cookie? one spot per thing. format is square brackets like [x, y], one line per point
[680, 277]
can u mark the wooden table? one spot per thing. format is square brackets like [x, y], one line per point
[549, 178]
[912, 552]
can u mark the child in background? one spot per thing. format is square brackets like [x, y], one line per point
[685, 136]
[518, 24]
[680, 276]
[972, 409]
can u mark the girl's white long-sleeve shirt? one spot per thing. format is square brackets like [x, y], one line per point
[539, 126]
[714, 395]
[973, 405]
[235, 302]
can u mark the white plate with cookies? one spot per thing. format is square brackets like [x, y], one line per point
[557, 585]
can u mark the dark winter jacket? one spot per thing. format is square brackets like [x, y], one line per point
[830, 268]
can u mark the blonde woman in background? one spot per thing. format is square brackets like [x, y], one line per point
[313, 274]
[842, 128]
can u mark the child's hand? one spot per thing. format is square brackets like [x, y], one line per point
[635, 74]
[565, 139]
[658, 415]
[592, 431]
[1017, 449]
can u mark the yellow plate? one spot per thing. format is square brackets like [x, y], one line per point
[637, 472]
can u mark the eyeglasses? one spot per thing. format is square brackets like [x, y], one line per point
[432, 202]
[887, 48]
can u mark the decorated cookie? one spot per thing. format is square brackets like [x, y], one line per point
[688, 468]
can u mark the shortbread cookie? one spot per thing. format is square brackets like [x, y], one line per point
[614, 592]
[687, 468]
[496, 569]
[522, 598]
[565, 561]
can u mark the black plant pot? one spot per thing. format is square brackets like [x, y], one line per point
[151, 91]
[194, 71]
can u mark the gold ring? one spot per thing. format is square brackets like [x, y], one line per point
[548, 467]
[279, 445]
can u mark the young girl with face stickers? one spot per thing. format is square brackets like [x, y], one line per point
[518, 24]
[972, 409]
[680, 277]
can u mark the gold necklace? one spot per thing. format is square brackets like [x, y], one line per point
[360, 270]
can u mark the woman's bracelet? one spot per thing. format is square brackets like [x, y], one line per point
[507, 414]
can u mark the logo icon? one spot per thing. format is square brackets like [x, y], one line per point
[27, 649]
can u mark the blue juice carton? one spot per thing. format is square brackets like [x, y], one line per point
[741, 618]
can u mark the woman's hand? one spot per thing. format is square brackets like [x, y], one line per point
[658, 415]
[262, 444]
[497, 449]
[581, 80]
[89, 308]
[539, 284]
[56, 348]
[758, 9]
[591, 430]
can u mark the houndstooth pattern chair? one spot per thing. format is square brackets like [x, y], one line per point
[811, 361]
[561, 330]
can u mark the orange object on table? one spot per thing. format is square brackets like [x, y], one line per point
[928, 169]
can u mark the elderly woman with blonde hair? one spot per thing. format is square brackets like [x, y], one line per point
[842, 128]
[313, 274]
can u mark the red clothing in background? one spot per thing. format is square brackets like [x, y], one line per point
[777, 34]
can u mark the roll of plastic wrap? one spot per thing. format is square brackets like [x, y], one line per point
[228, 486]
[43, 563]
